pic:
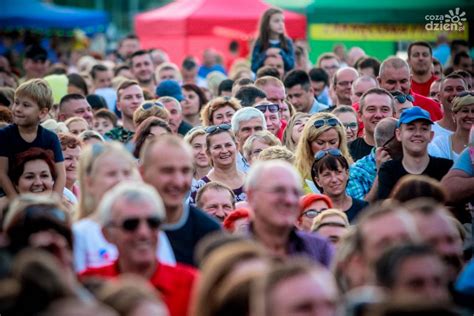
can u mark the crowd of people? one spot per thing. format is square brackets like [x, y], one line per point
[131, 185]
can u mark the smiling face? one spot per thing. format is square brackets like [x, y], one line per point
[349, 120]
[26, 112]
[102, 125]
[199, 151]
[71, 161]
[36, 178]
[376, 107]
[465, 117]
[415, 137]
[450, 88]
[298, 128]
[129, 100]
[222, 149]
[333, 182]
[326, 140]
[222, 115]
[217, 203]
[78, 127]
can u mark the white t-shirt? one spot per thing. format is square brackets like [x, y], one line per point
[440, 147]
[440, 131]
[92, 250]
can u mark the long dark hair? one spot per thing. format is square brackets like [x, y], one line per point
[264, 30]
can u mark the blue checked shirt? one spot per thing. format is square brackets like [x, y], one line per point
[362, 175]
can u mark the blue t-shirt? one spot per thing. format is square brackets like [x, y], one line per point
[11, 143]
[464, 163]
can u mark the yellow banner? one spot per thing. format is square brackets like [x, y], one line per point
[387, 32]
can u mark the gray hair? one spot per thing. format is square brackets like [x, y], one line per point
[168, 99]
[392, 62]
[364, 79]
[255, 174]
[246, 114]
[384, 130]
[132, 192]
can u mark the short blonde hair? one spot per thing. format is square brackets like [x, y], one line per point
[156, 110]
[277, 153]
[460, 102]
[74, 119]
[265, 137]
[304, 157]
[37, 90]
[193, 133]
[318, 220]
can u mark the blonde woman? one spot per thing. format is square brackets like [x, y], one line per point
[256, 143]
[294, 129]
[322, 131]
[101, 167]
[196, 137]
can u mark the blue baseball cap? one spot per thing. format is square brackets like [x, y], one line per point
[169, 88]
[414, 114]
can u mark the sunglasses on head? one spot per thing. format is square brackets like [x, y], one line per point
[322, 153]
[465, 93]
[330, 122]
[148, 105]
[402, 98]
[216, 128]
[131, 224]
[273, 108]
[312, 213]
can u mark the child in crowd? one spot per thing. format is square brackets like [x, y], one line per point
[33, 100]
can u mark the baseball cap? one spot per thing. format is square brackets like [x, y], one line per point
[169, 88]
[36, 53]
[413, 114]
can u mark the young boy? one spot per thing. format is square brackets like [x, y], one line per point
[33, 100]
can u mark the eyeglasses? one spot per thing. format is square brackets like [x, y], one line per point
[402, 98]
[312, 213]
[331, 122]
[148, 105]
[273, 108]
[216, 128]
[352, 125]
[322, 153]
[465, 93]
[131, 224]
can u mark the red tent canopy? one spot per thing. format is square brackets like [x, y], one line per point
[187, 27]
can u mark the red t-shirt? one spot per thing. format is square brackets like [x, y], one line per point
[281, 130]
[429, 105]
[175, 283]
[423, 88]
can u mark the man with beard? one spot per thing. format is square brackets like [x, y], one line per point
[420, 59]
[414, 132]
[437, 229]
[141, 66]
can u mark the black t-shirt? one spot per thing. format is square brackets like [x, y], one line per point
[391, 171]
[358, 148]
[11, 143]
[184, 237]
[355, 209]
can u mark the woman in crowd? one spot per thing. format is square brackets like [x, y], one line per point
[322, 131]
[256, 143]
[101, 167]
[196, 137]
[287, 111]
[312, 205]
[330, 172]
[294, 129]
[221, 148]
[450, 147]
[90, 137]
[219, 111]
[194, 100]
[151, 127]
[348, 117]
[72, 148]
[76, 125]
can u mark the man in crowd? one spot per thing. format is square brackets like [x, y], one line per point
[414, 132]
[101, 76]
[216, 199]
[35, 63]
[300, 92]
[245, 123]
[275, 92]
[395, 76]
[130, 216]
[275, 205]
[342, 82]
[75, 105]
[129, 98]
[275, 61]
[420, 59]
[329, 63]
[167, 165]
[360, 86]
[170, 95]
[141, 67]
[374, 105]
[127, 46]
[320, 84]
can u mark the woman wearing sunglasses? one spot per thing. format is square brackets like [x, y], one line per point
[219, 111]
[322, 131]
[451, 146]
[221, 148]
[101, 167]
[330, 173]
[311, 206]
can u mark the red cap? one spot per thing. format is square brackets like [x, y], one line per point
[307, 199]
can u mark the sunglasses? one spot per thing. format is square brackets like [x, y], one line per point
[402, 98]
[148, 105]
[273, 108]
[322, 153]
[330, 122]
[131, 224]
[312, 213]
[216, 128]
[465, 93]
[352, 125]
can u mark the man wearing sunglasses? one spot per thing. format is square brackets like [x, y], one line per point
[271, 111]
[130, 216]
[395, 75]
[420, 59]
[414, 132]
